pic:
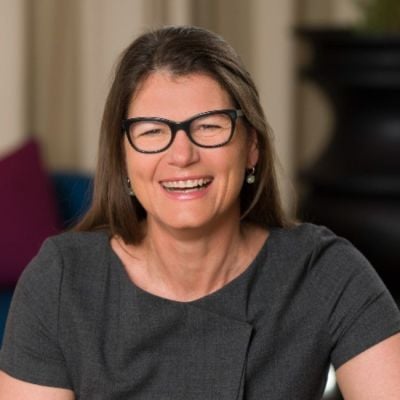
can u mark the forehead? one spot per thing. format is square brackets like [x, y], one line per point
[177, 97]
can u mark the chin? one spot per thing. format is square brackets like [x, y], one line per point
[187, 224]
[196, 218]
[178, 222]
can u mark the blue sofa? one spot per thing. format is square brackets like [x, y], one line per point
[73, 193]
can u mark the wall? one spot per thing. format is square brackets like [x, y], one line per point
[58, 57]
[13, 83]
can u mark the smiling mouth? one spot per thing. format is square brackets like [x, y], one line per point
[186, 186]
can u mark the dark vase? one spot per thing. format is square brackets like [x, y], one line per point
[354, 187]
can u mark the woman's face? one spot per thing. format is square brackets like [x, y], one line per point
[186, 186]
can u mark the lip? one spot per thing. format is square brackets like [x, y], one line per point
[184, 188]
[186, 178]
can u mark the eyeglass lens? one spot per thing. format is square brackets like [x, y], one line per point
[206, 130]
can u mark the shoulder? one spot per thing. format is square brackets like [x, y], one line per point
[332, 255]
[335, 271]
[312, 241]
[305, 234]
[327, 260]
[76, 248]
[78, 242]
[66, 254]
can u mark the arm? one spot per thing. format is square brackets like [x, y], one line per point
[11, 388]
[31, 350]
[374, 374]
[363, 320]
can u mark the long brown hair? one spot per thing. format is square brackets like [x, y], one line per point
[181, 50]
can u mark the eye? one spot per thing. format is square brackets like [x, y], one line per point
[213, 123]
[208, 127]
[145, 129]
[151, 132]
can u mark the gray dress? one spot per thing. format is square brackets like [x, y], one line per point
[307, 300]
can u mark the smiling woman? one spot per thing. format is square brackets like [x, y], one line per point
[185, 280]
[207, 148]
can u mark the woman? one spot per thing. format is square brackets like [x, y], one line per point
[185, 280]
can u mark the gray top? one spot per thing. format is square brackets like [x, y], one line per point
[309, 298]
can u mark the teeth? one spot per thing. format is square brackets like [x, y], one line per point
[187, 184]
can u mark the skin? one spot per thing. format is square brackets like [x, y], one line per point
[178, 98]
[179, 258]
[182, 232]
[15, 389]
[374, 374]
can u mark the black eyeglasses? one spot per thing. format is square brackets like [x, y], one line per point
[154, 135]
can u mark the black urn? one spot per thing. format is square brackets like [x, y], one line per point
[354, 187]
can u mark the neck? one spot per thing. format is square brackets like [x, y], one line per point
[190, 265]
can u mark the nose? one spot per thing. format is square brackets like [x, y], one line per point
[182, 151]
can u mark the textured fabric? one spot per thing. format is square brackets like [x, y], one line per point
[28, 210]
[308, 299]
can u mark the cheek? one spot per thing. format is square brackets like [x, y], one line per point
[241, 156]
[234, 169]
[132, 160]
[132, 165]
[138, 173]
[127, 150]
[141, 170]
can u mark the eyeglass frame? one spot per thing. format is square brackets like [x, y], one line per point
[174, 127]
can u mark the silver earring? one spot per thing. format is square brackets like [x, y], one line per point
[251, 177]
[130, 190]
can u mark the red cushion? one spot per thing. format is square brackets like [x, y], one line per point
[28, 211]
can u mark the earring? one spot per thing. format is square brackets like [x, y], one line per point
[251, 177]
[130, 190]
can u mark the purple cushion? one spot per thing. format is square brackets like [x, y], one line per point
[28, 211]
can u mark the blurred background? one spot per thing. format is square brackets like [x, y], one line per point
[332, 103]
[330, 96]
[57, 58]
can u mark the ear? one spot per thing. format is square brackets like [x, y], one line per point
[252, 152]
[125, 149]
